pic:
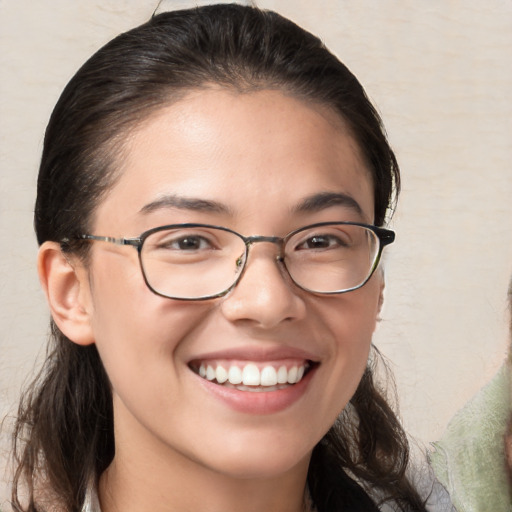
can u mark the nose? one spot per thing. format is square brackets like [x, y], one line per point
[265, 296]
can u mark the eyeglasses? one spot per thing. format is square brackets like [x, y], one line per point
[199, 261]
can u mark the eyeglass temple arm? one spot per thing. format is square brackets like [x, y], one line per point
[386, 236]
[118, 241]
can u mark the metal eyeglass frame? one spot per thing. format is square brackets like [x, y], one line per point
[385, 236]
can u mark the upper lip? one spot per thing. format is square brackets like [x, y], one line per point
[258, 353]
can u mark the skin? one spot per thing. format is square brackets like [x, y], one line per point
[178, 448]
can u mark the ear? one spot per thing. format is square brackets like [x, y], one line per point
[381, 297]
[65, 283]
[380, 303]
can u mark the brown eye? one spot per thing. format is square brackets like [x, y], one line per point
[185, 242]
[321, 242]
[189, 243]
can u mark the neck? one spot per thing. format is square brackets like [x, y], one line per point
[150, 475]
[128, 488]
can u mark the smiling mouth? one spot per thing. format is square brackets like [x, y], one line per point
[253, 376]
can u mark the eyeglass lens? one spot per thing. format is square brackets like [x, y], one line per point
[201, 262]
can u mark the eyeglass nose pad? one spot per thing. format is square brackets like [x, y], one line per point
[241, 261]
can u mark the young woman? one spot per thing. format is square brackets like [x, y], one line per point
[210, 205]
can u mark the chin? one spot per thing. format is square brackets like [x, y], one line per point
[259, 462]
[263, 470]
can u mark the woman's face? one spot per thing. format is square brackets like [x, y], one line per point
[253, 163]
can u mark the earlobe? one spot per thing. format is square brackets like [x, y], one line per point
[67, 292]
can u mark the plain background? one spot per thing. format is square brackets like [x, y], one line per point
[440, 73]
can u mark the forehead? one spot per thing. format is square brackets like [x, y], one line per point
[243, 150]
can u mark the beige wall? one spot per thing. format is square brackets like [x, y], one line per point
[440, 74]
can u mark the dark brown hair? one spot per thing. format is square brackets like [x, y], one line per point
[64, 433]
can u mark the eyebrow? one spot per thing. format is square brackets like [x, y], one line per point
[323, 200]
[310, 204]
[185, 203]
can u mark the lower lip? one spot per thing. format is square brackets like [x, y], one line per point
[259, 402]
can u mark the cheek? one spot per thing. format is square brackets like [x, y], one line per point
[351, 321]
[352, 318]
[361, 321]
[135, 330]
[139, 342]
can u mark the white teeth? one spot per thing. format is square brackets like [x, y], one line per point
[250, 375]
[210, 373]
[221, 375]
[235, 375]
[292, 375]
[282, 375]
[268, 376]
